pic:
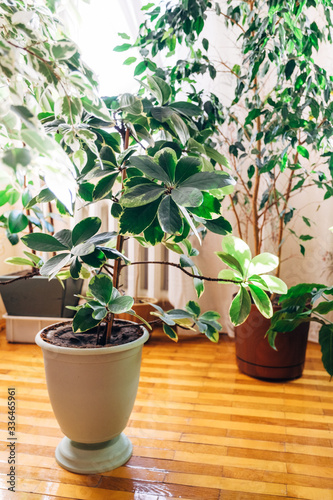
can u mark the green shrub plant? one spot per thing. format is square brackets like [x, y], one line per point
[62, 143]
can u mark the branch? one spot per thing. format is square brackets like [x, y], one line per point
[228, 68]
[178, 266]
[37, 57]
[233, 21]
[256, 186]
[240, 234]
[35, 272]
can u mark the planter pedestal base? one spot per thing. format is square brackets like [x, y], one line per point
[85, 458]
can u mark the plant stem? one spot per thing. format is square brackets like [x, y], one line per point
[120, 242]
[239, 228]
[281, 221]
[35, 272]
[178, 266]
[233, 21]
[255, 197]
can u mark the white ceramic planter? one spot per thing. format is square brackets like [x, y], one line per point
[92, 392]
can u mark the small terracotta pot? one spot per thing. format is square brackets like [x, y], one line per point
[257, 359]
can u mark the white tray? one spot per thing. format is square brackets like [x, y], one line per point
[25, 328]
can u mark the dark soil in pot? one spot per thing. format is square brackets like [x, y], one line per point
[62, 335]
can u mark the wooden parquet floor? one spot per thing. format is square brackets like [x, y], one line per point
[200, 430]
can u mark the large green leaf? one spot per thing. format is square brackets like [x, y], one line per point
[210, 207]
[216, 156]
[83, 249]
[169, 216]
[153, 234]
[17, 221]
[239, 250]
[219, 226]
[75, 268]
[261, 300]
[131, 104]
[55, 264]
[187, 197]
[263, 263]
[230, 261]
[101, 287]
[85, 229]
[101, 238]
[162, 114]
[142, 194]
[136, 220]
[170, 332]
[104, 187]
[83, 320]
[65, 238]
[96, 108]
[167, 159]
[180, 128]
[230, 274]
[326, 344]
[324, 307]
[121, 304]
[193, 308]
[42, 242]
[275, 284]
[94, 259]
[240, 307]
[149, 167]
[160, 89]
[186, 108]
[187, 167]
[208, 180]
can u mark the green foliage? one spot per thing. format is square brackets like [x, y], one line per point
[285, 121]
[188, 318]
[81, 149]
[78, 247]
[47, 62]
[179, 188]
[101, 301]
[250, 275]
[303, 303]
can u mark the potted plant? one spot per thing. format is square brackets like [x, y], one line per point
[302, 304]
[277, 117]
[251, 310]
[92, 363]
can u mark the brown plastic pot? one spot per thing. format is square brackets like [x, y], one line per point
[257, 359]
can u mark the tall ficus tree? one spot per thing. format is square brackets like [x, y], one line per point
[276, 132]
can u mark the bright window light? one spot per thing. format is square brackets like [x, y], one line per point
[96, 32]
